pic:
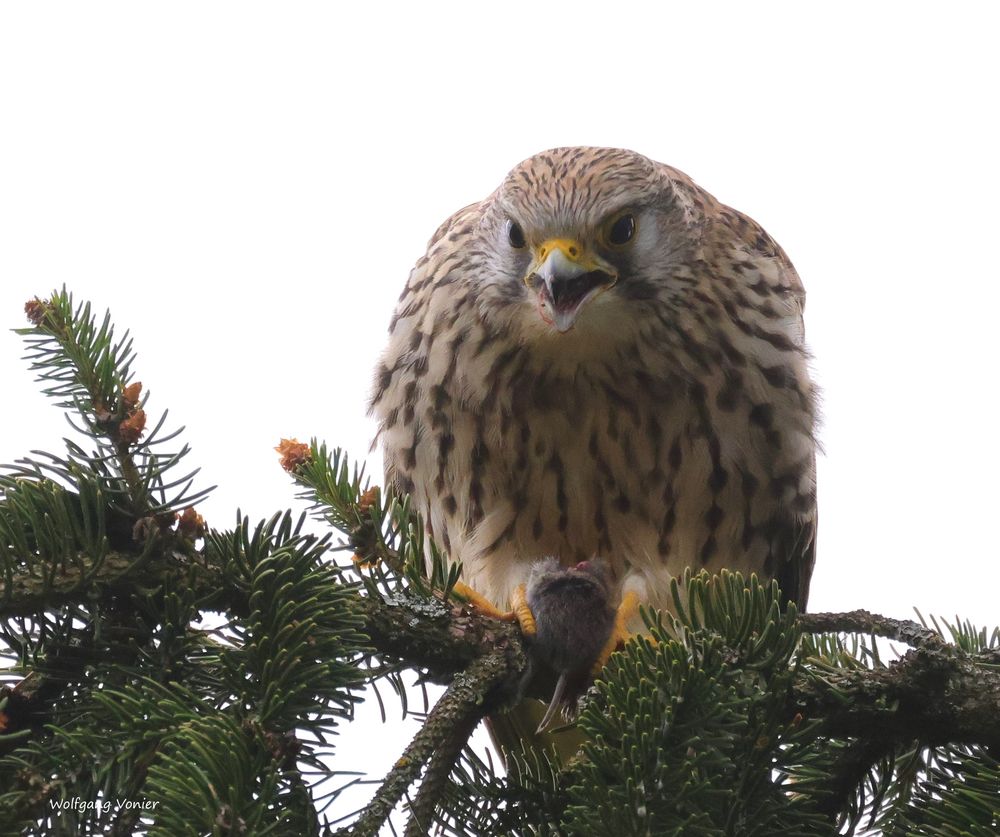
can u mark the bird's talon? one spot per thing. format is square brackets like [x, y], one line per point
[620, 633]
[479, 603]
[525, 618]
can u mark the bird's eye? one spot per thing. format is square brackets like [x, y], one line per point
[515, 235]
[621, 231]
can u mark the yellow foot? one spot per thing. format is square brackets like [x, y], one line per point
[478, 602]
[520, 614]
[619, 633]
[525, 618]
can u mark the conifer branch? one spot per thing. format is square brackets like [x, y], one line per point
[939, 696]
[439, 767]
[469, 697]
[863, 622]
[118, 573]
[437, 638]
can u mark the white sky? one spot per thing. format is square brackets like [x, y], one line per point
[247, 185]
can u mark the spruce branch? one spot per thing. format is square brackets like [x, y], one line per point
[440, 765]
[863, 622]
[117, 574]
[469, 697]
[90, 374]
[931, 695]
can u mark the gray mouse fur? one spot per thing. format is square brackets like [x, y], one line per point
[574, 619]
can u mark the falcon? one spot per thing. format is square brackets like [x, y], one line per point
[602, 361]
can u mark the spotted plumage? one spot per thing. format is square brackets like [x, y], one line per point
[600, 359]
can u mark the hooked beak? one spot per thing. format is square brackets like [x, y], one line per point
[565, 279]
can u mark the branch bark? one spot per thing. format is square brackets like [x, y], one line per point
[863, 622]
[932, 696]
[471, 695]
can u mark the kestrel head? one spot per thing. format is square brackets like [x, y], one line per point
[577, 235]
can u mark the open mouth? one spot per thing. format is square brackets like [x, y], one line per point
[561, 298]
[566, 293]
